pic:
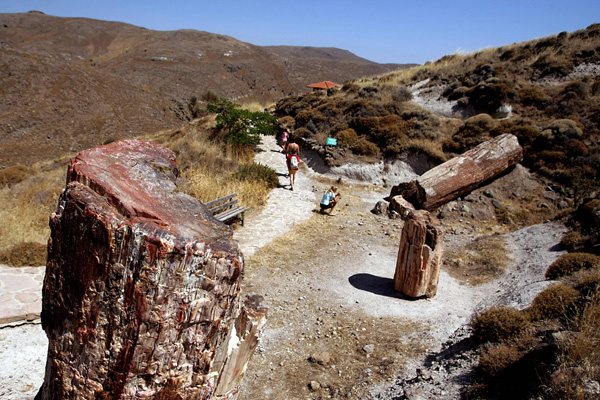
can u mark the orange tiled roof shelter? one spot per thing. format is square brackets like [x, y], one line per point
[323, 85]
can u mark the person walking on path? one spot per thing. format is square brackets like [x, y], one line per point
[284, 140]
[330, 199]
[293, 161]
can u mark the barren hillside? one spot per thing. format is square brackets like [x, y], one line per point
[70, 83]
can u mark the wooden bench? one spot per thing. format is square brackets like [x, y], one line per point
[225, 209]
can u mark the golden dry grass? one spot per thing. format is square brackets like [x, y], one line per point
[25, 207]
[482, 260]
[579, 361]
[207, 166]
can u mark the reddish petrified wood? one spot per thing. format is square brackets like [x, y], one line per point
[461, 174]
[142, 286]
[419, 256]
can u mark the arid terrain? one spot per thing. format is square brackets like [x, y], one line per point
[336, 327]
[72, 83]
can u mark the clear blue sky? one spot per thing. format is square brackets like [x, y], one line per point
[385, 31]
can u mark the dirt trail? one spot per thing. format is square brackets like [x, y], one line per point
[336, 327]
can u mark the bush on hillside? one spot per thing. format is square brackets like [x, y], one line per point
[365, 148]
[498, 324]
[496, 358]
[572, 241]
[488, 98]
[588, 215]
[242, 127]
[347, 137]
[422, 124]
[556, 301]
[533, 96]
[402, 94]
[571, 262]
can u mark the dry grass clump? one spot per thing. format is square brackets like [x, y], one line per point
[572, 241]
[14, 174]
[24, 254]
[496, 357]
[570, 263]
[556, 301]
[25, 208]
[480, 261]
[211, 168]
[579, 358]
[498, 324]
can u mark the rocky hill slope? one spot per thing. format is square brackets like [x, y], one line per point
[70, 83]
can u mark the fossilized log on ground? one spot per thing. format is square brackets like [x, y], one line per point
[461, 174]
[419, 256]
[141, 297]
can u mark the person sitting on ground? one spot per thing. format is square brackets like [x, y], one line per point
[330, 199]
[293, 161]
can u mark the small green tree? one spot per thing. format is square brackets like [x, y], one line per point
[243, 127]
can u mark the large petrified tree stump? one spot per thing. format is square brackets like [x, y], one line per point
[461, 174]
[419, 256]
[141, 298]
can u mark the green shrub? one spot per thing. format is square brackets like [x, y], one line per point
[258, 173]
[24, 254]
[14, 174]
[553, 302]
[498, 324]
[571, 262]
[364, 147]
[242, 127]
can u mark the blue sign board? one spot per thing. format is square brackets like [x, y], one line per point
[331, 141]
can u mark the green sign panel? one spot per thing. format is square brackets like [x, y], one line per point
[331, 141]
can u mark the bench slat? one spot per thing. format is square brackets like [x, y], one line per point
[224, 216]
[220, 200]
[223, 206]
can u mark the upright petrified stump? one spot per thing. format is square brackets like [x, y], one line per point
[141, 298]
[419, 256]
[461, 174]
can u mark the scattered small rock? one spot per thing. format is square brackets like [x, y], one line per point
[322, 358]
[369, 348]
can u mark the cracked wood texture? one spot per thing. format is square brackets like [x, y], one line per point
[419, 256]
[141, 298]
[461, 174]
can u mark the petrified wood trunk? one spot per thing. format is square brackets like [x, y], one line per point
[419, 256]
[461, 174]
[141, 298]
